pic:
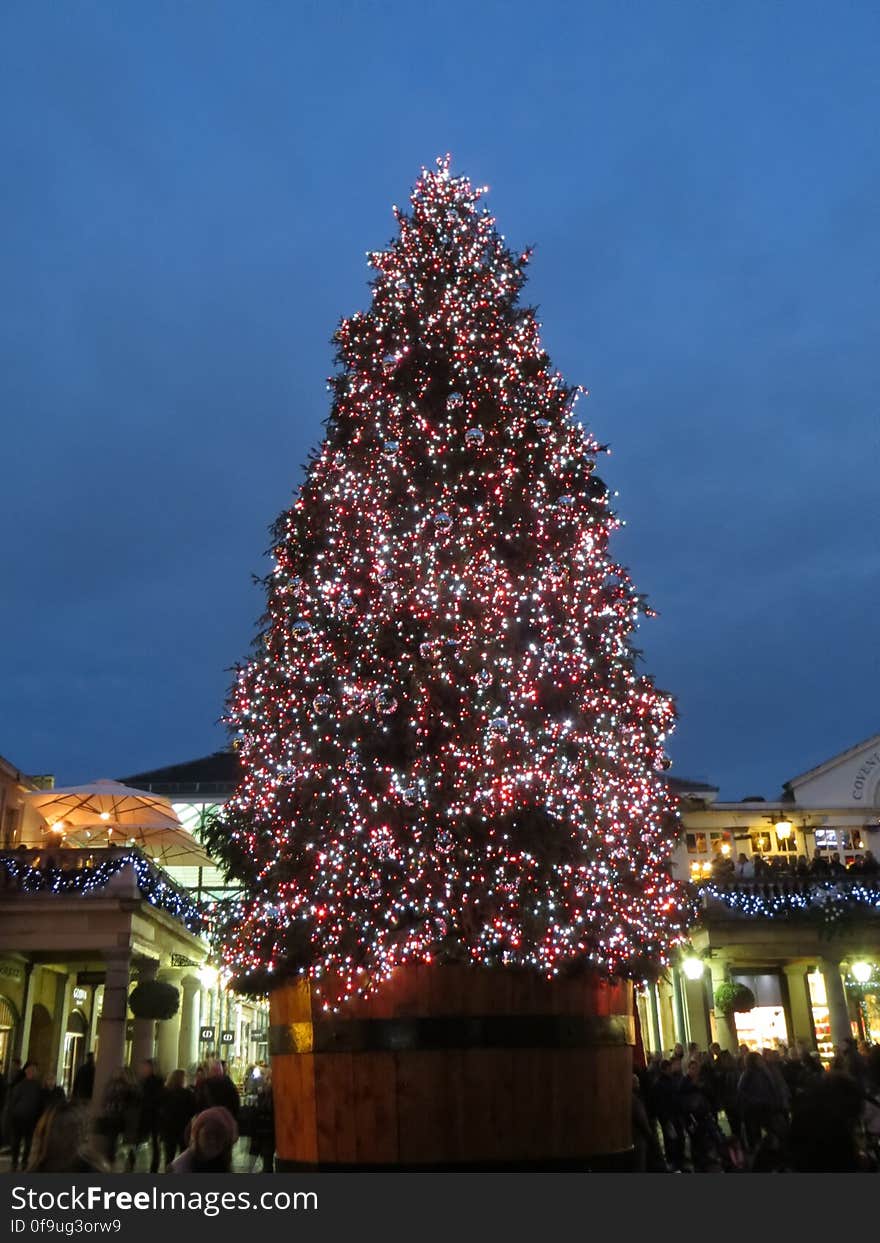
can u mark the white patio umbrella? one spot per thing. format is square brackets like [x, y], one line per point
[107, 813]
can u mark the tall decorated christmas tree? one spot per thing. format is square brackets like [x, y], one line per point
[448, 754]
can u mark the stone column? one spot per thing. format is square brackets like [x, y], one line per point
[725, 1028]
[654, 1010]
[835, 995]
[190, 1019]
[799, 1003]
[111, 1024]
[63, 998]
[23, 1035]
[681, 1035]
[695, 1005]
[93, 1017]
[664, 1005]
[144, 1035]
[218, 1010]
[168, 1040]
[641, 1001]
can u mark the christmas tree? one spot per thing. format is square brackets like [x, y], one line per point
[447, 752]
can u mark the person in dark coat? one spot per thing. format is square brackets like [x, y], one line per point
[825, 1121]
[760, 1104]
[25, 1107]
[177, 1108]
[698, 1108]
[152, 1091]
[84, 1080]
[220, 1091]
[727, 1077]
[263, 1136]
[120, 1112]
[53, 1093]
[667, 1102]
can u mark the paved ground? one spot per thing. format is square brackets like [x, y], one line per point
[242, 1161]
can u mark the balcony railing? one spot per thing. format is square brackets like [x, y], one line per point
[92, 872]
[780, 893]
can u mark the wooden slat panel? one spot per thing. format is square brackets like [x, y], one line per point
[375, 1108]
[531, 1124]
[293, 1091]
[426, 1110]
[452, 1104]
[335, 1112]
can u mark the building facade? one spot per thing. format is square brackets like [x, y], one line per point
[80, 928]
[789, 902]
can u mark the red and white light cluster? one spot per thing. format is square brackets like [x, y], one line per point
[447, 750]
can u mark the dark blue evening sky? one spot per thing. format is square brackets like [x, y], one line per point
[188, 193]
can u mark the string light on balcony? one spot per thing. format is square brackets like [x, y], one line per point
[830, 900]
[22, 875]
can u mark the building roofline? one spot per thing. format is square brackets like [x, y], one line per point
[827, 765]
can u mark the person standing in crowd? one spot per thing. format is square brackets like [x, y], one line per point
[152, 1089]
[745, 868]
[697, 1107]
[53, 1093]
[263, 1137]
[850, 1060]
[84, 1080]
[176, 1110]
[25, 1107]
[198, 1087]
[60, 1143]
[220, 1091]
[213, 1135]
[825, 1123]
[119, 1113]
[759, 1101]
[668, 1104]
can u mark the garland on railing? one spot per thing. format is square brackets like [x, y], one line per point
[157, 890]
[830, 901]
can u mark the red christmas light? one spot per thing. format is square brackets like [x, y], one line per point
[447, 751]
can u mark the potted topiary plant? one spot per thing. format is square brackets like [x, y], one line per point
[731, 997]
[154, 999]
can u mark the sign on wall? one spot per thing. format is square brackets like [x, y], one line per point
[227, 1037]
[206, 1034]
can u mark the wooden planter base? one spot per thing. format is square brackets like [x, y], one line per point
[455, 1068]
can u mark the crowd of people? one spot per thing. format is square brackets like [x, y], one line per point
[793, 867]
[694, 1110]
[184, 1127]
[781, 1109]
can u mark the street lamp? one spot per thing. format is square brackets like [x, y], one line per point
[862, 972]
[693, 967]
[784, 829]
[208, 975]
